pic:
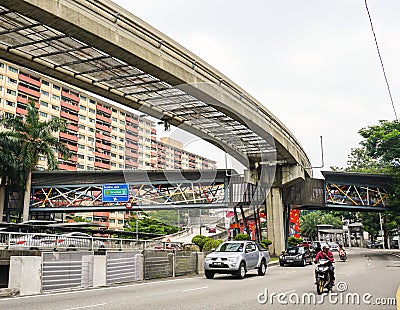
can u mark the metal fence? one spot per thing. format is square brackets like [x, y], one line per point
[66, 270]
[123, 267]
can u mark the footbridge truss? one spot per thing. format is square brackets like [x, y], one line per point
[81, 191]
[342, 191]
[102, 48]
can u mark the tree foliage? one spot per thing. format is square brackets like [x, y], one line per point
[310, 220]
[240, 237]
[379, 152]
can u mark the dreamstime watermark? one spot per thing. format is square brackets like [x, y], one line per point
[341, 297]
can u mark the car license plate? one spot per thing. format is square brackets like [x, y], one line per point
[217, 264]
[290, 260]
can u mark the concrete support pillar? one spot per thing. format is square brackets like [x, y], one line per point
[139, 262]
[99, 270]
[25, 273]
[275, 224]
[200, 263]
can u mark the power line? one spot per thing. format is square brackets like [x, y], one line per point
[380, 58]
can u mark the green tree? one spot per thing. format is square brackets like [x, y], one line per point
[200, 240]
[239, 237]
[211, 244]
[10, 168]
[310, 220]
[35, 139]
[379, 152]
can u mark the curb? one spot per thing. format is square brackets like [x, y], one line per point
[9, 292]
[273, 263]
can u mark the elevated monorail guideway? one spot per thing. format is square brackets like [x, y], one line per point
[102, 48]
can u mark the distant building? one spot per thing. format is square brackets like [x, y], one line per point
[100, 135]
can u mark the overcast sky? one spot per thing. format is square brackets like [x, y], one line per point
[312, 63]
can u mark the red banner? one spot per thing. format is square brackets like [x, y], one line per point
[294, 224]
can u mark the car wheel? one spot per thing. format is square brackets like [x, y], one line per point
[209, 274]
[262, 269]
[303, 262]
[281, 264]
[71, 248]
[241, 272]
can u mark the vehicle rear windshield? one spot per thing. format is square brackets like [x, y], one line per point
[230, 247]
[295, 250]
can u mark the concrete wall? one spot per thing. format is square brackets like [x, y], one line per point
[25, 272]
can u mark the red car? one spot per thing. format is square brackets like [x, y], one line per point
[212, 230]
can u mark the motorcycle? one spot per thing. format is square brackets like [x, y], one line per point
[342, 255]
[322, 276]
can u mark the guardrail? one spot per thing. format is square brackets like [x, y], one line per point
[68, 242]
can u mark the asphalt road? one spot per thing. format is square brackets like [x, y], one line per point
[373, 272]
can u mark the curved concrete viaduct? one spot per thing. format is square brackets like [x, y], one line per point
[102, 48]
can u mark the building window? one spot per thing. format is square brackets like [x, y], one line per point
[92, 101]
[83, 98]
[12, 69]
[11, 92]
[91, 129]
[44, 82]
[54, 107]
[44, 103]
[92, 111]
[55, 97]
[1, 65]
[79, 166]
[56, 87]
[42, 114]
[90, 158]
[80, 156]
[81, 127]
[91, 120]
[82, 107]
[10, 103]
[114, 110]
[14, 81]
[82, 117]
[90, 139]
[80, 146]
[90, 149]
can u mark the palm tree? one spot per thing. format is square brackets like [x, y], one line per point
[10, 171]
[35, 139]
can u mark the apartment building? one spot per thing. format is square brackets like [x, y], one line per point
[100, 135]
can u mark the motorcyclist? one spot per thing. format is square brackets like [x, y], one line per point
[341, 250]
[327, 254]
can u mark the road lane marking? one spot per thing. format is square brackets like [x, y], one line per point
[347, 274]
[85, 307]
[195, 289]
[291, 271]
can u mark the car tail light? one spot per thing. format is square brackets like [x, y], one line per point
[20, 242]
[60, 240]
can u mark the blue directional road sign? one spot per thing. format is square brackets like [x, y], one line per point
[115, 193]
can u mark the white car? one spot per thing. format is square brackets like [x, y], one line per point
[79, 240]
[31, 242]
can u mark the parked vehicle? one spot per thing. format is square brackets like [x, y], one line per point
[169, 247]
[236, 258]
[296, 255]
[322, 276]
[31, 242]
[79, 240]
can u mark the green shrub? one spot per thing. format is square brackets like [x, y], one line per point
[212, 244]
[242, 237]
[200, 240]
[265, 243]
[293, 241]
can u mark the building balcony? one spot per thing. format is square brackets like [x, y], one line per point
[102, 155]
[28, 91]
[135, 132]
[73, 97]
[103, 127]
[70, 106]
[103, 224]
[103, 109]
[21, 111]
[29, 80]
[102, 165]
[103, 118]
[68, 116]
[66, 167]
[102, 214]
[102, 137]
[68, 136]
[73, 127]
[72, 148]
[103, 146]
[131, 146]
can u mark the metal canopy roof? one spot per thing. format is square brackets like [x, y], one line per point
[52, 51]
[356, 178]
